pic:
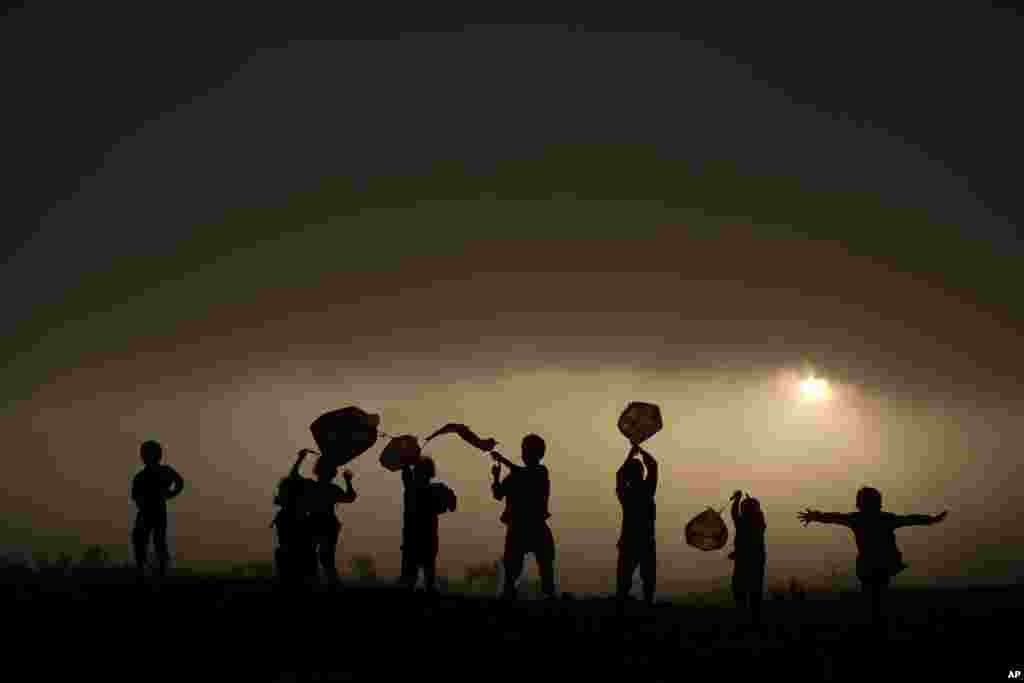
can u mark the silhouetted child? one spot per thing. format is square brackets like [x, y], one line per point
[636, 543]
[151, 489]
[526, 491]
[878, 558]
[295, 558]
[749, 555]
[323, 524]
[424, 501]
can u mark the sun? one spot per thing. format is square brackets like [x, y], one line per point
[815, 390]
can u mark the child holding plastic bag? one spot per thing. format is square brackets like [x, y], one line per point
[635, 487]
[424, 500]
[749, 555]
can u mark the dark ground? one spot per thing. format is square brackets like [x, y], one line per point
[104, 627]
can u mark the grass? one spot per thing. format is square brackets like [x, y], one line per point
[230, 624]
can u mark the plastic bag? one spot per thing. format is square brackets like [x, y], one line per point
[466, 434]
[400, 451]
[341, 435]
[640, 421]
[707, 531]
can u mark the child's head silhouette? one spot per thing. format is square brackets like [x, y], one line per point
[751, 513]
[425, 469]
[533, 449]
[750, 506]
[632, 472]
[151, 453]
[324, 469]
[869, 499]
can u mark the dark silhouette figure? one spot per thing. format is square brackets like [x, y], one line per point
[526, 491]
[878, 558]
[637, 545]
[324, 527]
[749, 555]
[424, 500]
[151, 489]
[295, 558]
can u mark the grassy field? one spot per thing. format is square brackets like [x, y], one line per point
[217, 627]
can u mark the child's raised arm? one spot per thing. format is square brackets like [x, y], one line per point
[294, 473]
[808, 516]
[735, 508]
[496, 486]
[917, 520]
[620, 476]
[652, 470]
[350, 495]
[498, 457]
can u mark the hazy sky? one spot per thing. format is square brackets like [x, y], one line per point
[522, 230]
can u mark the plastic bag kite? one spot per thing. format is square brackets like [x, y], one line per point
[341, 435]
[640, 421]
[707, 531]
[467, 435]
[401, 451]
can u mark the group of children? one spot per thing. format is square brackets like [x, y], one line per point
[308, 527]
[525, 490]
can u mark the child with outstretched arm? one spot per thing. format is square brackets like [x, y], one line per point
[878, 558]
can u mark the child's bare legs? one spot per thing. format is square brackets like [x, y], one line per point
[327, 549]
[513, 565]
[410, 570]
[876, 589]
[545, 554]
[150, 525]
[649, 573]
[163, 556]
[748, 590]
[738, 593]
[624, 574]
[755, 599]
[140, 543]
[546, 569]
[430, 574]
[518, 542]
[756, 595]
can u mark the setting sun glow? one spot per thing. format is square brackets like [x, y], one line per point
[815, 389]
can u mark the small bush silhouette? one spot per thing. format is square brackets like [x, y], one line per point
[364, 567]
[14, 568]
[95, 557]
[531, 587]
[42, 562]
[251, 570]
[483, 576]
